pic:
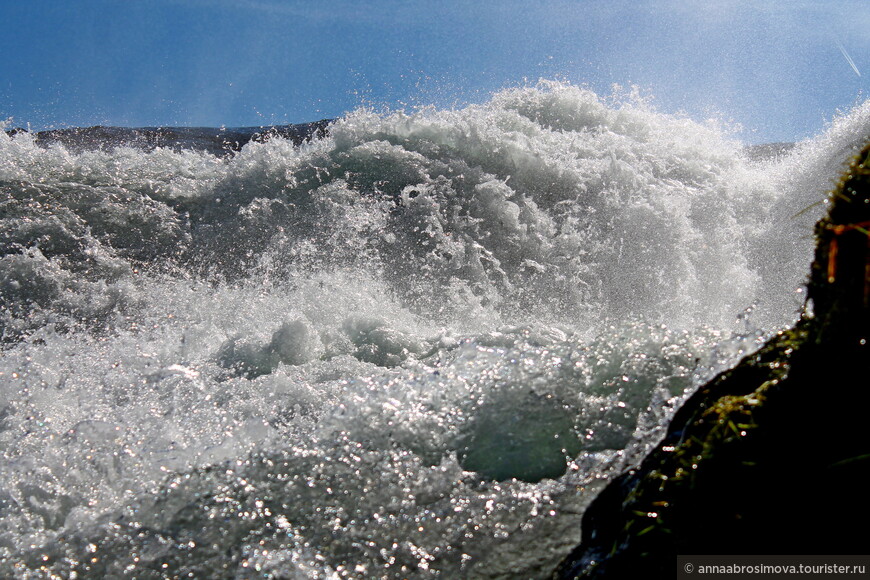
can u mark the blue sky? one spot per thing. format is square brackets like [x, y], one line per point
[779, 69]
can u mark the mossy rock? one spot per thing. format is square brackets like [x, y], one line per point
[771, 457]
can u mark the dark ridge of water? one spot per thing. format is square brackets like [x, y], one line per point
[217, 141]
[223, 141]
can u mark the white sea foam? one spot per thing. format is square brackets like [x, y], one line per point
[413, 348]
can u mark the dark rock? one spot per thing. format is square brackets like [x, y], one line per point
[771, 457]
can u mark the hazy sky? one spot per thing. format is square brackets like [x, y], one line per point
[779, 68]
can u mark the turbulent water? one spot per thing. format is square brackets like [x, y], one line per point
[413, 348]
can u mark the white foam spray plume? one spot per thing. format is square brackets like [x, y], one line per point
[415, 348]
